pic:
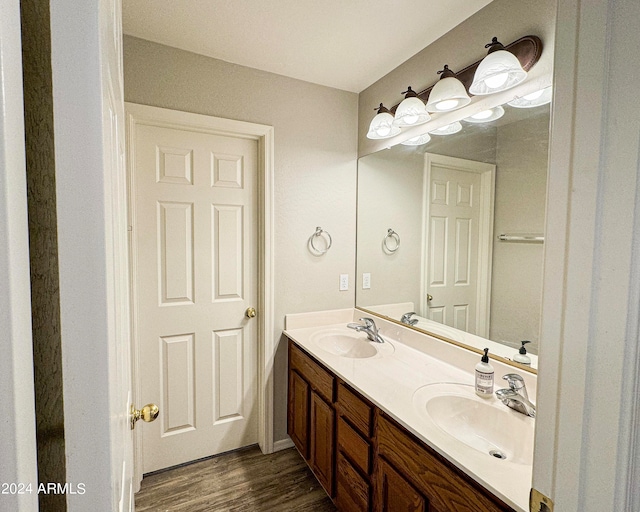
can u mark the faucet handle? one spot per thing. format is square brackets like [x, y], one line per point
[368, 322]
[515, 381]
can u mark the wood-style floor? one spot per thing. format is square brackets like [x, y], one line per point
[244, 480]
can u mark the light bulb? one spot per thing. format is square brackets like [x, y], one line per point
[534, 99]
[485, 114]
[410, 119]
[383, 130]
[534, 95]
[418, 140]
[381, 126]
[447, 104]
[496, 81]
[411, 111]
[449, 129]
[498, 71]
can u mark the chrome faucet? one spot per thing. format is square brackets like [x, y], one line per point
[406, 318]
[368, 327]
[516, 396]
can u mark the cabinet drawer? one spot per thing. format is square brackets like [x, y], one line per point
[359, 412]
[353, 491]
[446, 487]
[320, 380]
[354, 446]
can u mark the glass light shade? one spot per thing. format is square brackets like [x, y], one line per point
[449, 129]
[417, 141]
[411, 112]
[382, 126]
[448, 94]
[486, 115]
[498, 71]
[535, 99]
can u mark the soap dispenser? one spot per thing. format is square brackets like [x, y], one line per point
[484, 376]
[522, 357]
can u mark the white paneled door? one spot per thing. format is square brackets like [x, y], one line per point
[194, 223]
[459, 202]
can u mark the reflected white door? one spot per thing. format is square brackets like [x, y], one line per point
[458, 232]
[195, 267]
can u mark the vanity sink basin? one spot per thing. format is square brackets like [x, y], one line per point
[483, 424]
[344, 343]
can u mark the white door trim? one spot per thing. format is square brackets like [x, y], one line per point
[587, 436]
[17, 429]
[137, 115]
[487, 174]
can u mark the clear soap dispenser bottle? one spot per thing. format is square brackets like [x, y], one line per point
[522, 357]
[484, 376]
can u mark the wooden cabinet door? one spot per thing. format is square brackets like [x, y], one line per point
[322, 441]
[394, 493]
[298, 417]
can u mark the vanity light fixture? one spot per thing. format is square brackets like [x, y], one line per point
[419, 140]
[448, 129]
[448, 93]
[382, 126]
[499, 70]
[486, 115]
[411, 111]
[535, 99]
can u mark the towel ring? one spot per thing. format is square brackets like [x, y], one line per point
[391, 242]
[320, 233]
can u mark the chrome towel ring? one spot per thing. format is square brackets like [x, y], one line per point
[313, 241]
[391, 242]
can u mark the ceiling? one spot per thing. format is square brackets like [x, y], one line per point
[346, 44]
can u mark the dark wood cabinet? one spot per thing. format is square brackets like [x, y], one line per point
[298, 417]
[442, 486]
[395, 493]
[322, 443]
[311, 420]
[366, 461]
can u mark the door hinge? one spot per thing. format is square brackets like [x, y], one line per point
[538, 502]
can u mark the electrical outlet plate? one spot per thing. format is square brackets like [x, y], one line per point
[538, 502]
[366, 281]
[344, 282]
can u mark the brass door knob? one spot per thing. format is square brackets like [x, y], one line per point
[429, 297]
[250, 313]
[147, 414]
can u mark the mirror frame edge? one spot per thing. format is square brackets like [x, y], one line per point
[459, 344]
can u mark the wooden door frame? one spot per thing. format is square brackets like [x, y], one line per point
[17, 430]
[138, 115]
[487, 174]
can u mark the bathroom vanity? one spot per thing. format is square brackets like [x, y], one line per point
[362, 415]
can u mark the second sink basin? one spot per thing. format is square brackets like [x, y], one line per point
[484, 424]
[346, 343]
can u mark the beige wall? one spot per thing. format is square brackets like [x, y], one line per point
[390, 196]
[462, 46]
[520, 201]
[315, 167]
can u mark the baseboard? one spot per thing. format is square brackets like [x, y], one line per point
[283, 444]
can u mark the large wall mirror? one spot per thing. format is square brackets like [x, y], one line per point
[453, 231]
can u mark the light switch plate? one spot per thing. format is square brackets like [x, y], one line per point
[344, 282]
[366, 280]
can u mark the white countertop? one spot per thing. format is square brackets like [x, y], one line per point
[391, 381]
